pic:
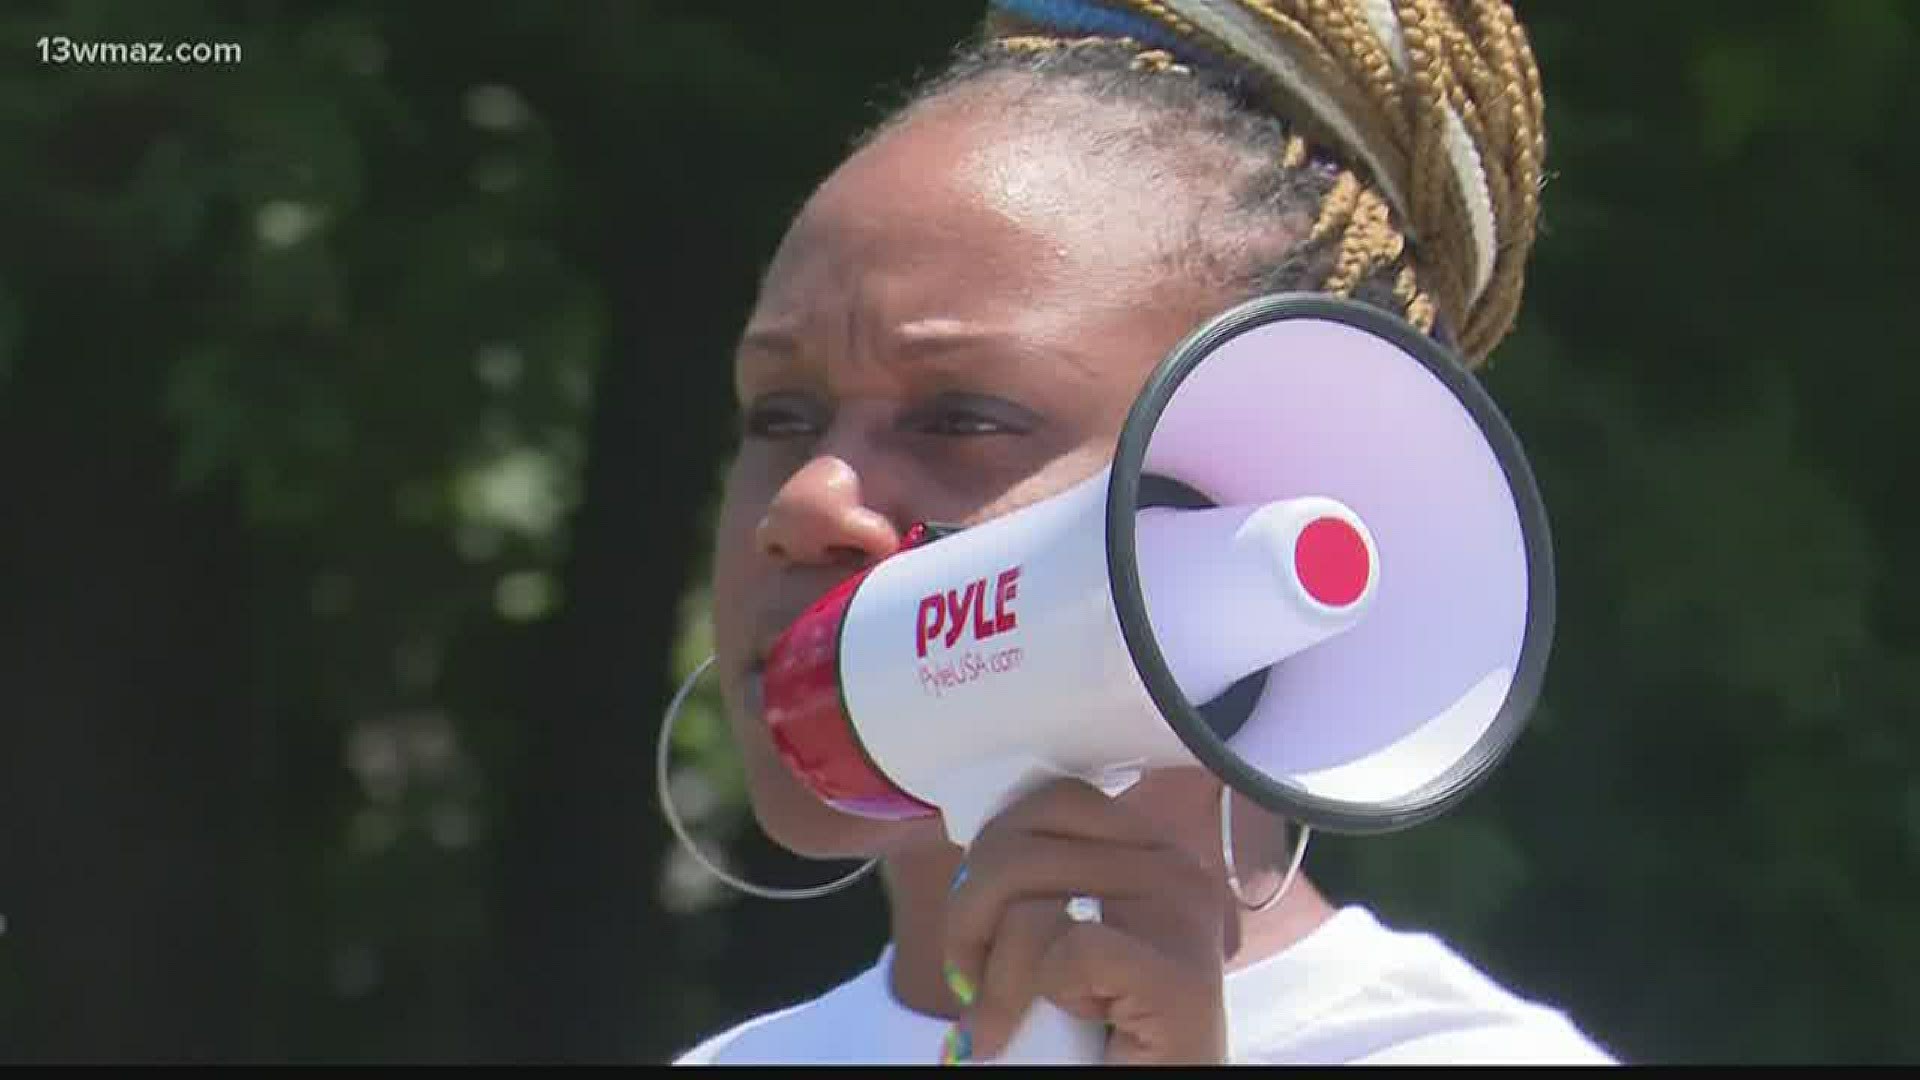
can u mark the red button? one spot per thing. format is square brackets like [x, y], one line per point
[1330, 557]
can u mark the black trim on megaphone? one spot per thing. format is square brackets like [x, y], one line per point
[1128, 489]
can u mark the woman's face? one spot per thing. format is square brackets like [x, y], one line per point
[954, 327]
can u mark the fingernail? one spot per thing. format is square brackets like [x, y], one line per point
[959, 876]
[957, 1046]
[962, 987]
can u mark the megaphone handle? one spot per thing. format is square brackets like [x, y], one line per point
[1050, 1035]
[967, 798]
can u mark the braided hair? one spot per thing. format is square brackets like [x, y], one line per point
[1398, 144]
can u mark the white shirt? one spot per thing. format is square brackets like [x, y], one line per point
[1353, 991]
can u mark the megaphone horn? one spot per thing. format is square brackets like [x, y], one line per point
[1318, 566]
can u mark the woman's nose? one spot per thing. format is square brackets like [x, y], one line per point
[820, 517]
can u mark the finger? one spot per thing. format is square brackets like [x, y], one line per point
[1157, 893]
[1007, 987]
[1160, 1011]
[1161, 892]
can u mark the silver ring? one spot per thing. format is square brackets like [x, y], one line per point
[1083, 908]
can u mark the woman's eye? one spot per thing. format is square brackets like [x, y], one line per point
[779, 419]
[964, 416]
[962, 422]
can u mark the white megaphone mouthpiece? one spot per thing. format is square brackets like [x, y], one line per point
[1318, 567]
[1233, 590]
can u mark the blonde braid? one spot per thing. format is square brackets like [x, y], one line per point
[1295, 154]
[1511, 90]
[1418, 305]
[1434, 194]
[1342, 29]
[1437, 107]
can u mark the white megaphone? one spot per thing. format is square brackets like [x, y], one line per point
[1318, 566]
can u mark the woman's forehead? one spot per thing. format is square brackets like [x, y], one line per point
[986, 201]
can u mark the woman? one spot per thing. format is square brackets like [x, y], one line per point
[954, 327]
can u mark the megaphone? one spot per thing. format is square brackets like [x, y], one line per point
[1318, 566]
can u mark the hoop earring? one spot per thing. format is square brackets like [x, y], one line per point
[765, 892]
[1233, 873]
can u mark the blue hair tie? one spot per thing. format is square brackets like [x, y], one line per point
[1089, 18]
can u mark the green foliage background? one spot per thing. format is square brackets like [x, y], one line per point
[361, 408]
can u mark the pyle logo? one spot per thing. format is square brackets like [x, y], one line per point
[953, 612]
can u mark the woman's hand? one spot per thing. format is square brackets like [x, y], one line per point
[1152, 969]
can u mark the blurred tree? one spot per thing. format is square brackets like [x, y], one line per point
[296, 413]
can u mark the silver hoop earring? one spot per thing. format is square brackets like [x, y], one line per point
[765, 892]
[1233, 873]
